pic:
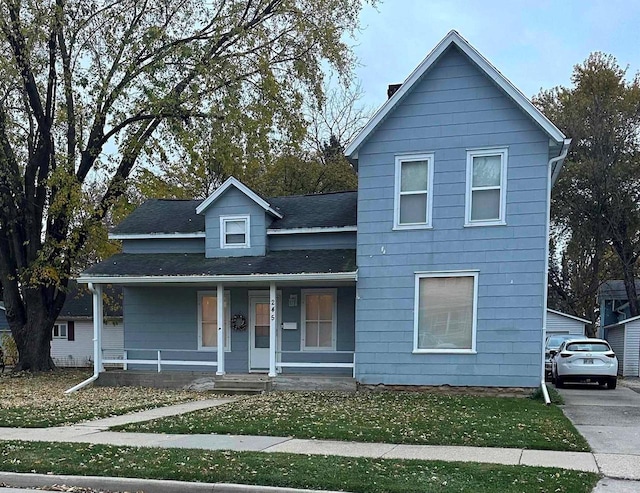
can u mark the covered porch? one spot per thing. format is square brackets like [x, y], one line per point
[264, 324]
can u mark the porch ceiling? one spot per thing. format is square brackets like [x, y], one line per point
[177, 267]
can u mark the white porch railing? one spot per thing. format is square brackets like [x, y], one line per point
[310, 364]
[158, 361]
[125, 361]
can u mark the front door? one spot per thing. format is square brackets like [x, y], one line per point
[259, 334]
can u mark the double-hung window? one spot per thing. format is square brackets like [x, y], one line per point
[208, 321]
[445, 312]
[413, 191]
[486, 187]
[319, 320]
[234, 232]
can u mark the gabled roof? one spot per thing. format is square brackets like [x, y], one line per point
[454, 39]
[572, 317]
[167, 218]
[233, 182]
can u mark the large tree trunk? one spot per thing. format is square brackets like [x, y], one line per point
[33, 341]
[31, 319]
[628, 273]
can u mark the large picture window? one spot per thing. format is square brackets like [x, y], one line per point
[413, 191]
[319, 320]
[486, 187]
[445, 312]
[208, 321]
[234, 232]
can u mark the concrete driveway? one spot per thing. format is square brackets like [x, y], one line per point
[608, 419]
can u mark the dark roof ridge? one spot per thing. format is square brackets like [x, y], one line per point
[312, 194]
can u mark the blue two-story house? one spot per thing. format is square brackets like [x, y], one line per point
[432, 273]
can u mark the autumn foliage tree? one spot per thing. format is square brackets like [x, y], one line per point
[91, 89]
[596, 203]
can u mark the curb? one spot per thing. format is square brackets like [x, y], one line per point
[30, 480]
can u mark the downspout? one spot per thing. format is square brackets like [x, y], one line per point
[553, 172]
[96, 348]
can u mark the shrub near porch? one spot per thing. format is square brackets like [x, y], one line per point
[412, 418]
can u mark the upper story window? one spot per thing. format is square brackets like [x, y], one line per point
[413, 191]
[234, 232]
[486, 187]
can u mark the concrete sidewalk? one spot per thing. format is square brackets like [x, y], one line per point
[96, 432]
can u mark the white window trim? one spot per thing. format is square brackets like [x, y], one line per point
[416, 311]
[403, 158]
[247, 234]
[504, 155]
[227, 297]
[66, 331]
[303, 318]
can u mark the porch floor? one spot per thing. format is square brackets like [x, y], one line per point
[231, 383]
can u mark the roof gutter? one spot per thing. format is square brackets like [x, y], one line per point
[556, 162]
[553, 170]
[323, 276]
[96, 348]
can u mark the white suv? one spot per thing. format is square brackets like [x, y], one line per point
[585, 359]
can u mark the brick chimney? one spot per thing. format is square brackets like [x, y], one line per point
[391, 90]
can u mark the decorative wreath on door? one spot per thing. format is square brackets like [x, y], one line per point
[239, 323]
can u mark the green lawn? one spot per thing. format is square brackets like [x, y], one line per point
[412, 418]
[39, 400]
[288, 470]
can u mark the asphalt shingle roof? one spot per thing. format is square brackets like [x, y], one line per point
[195, 264]
[615, 290]
[327, 210]
[79, 302]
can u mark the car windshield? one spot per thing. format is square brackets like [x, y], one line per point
[592, 347]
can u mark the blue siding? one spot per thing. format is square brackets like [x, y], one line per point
[181, 245]
[234, 202]
[167, 318]
[315, 241]
[454, 108]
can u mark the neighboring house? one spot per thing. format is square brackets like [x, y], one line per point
[618, 327]
[72, 334]
[563, 323]
[432, 273]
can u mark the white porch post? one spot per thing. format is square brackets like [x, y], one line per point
[272, 329]
[97, 328]
[221, 321]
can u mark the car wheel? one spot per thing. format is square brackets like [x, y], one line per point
[612, 383]
[553, 378]
[559, 382]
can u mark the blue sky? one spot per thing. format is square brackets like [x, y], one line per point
[535, 44]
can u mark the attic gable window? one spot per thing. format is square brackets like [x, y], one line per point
[234, 232]
[486, 187]
[413, 191]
